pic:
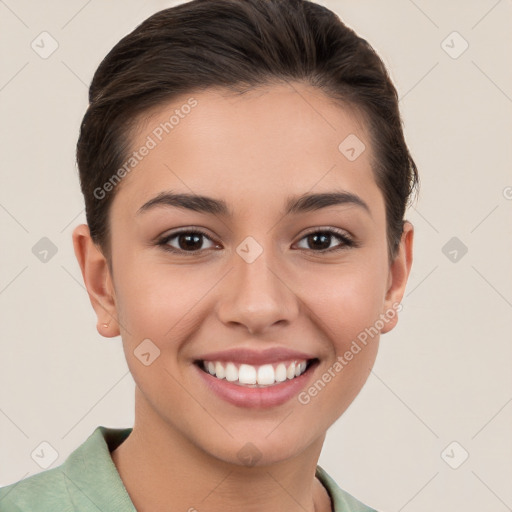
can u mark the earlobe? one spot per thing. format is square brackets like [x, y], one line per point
[97, 280]
[398, 275]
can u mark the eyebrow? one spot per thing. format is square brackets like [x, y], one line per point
[294, 205]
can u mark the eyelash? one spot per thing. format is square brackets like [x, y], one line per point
[347, 242]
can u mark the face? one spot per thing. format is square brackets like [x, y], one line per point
[255, 283]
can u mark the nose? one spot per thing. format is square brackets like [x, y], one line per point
[257, 296]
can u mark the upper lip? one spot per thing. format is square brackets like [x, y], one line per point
[255, 357]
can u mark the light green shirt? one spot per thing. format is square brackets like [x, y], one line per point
[88, 481]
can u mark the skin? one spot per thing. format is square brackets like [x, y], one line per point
[253, 151]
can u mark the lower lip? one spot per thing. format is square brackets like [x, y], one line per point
[265, 397]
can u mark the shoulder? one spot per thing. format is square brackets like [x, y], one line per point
[48, 489]
[342, 500]
[87, 478]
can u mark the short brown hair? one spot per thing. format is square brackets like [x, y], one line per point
[239, 44]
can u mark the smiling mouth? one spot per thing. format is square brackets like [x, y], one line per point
[252, 376]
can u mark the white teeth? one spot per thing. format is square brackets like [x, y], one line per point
[266, 375]
[231, 372]
[280, 372]
[249, 375]
[219, 370]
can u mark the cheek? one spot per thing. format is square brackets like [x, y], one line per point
[346, 306]
[346, 301]
[160, 302]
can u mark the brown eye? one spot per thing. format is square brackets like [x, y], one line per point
[186, 241]
[321, 240]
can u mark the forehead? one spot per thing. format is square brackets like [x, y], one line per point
[268, 141]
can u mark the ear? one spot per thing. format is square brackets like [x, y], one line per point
[398, 275]
[98, 281]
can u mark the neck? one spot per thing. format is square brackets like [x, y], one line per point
[160, 467]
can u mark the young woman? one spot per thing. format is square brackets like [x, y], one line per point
[245, 178]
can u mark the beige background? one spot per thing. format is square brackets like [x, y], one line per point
[443, 375]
